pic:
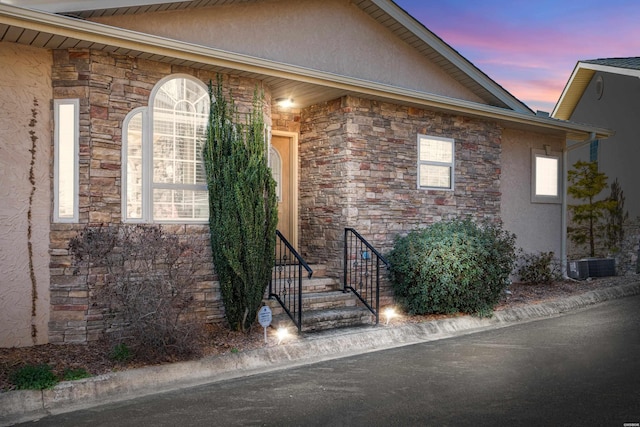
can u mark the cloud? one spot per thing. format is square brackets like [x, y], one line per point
[531, 48]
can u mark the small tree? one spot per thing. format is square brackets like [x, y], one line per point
[616, 218]
[243, 211]
[586, 184]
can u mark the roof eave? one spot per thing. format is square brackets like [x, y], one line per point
[140, 42]
[451, 55]
[577, 84]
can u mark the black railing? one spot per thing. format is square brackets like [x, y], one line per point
[286, 281]
[362, 270]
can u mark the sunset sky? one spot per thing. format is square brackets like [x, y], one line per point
[531, 47]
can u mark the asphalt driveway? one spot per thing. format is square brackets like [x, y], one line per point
[579, 369]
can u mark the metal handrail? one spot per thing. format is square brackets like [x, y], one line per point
[287, 273]
[359, 266]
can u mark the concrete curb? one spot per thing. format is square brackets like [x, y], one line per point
[29, 405]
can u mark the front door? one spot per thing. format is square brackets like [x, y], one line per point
[283, 155]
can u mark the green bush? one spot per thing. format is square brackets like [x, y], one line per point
[75, 374]
[541, 268]
[452, 266]
[34, 377]
[121, 353]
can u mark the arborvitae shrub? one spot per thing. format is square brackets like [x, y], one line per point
[243, 209]
[452, 266]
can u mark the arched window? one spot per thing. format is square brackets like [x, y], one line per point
[163, 172]
[275, 163]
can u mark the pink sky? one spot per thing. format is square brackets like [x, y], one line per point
[531, 47]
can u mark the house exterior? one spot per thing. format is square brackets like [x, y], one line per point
[606, 92]
[390, 129]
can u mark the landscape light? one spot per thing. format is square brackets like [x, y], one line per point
[282, 333]
[389, 313]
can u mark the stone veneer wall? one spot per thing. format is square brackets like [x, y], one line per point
[359, 169]
[109, 86]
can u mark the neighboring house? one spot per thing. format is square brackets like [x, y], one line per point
[606, 93]
[102, 112]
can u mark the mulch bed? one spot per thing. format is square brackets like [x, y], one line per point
[94, 356]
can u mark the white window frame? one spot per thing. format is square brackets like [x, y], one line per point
[450, 165]
[146, 158]
[62, 141]
[545, 198]
[147, 161]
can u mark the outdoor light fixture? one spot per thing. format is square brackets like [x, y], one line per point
[389, 313]
[284, 102]
[282, 333]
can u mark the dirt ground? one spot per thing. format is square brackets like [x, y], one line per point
[94, 356]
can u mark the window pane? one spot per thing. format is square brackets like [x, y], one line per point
[134, 167]
[66, 150]
[275, 163]
[169, 204]
[547, 176]
[435, 176]
[435, 150]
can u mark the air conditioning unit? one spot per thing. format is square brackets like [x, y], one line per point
[602, 267]
[591, 267]
[578, 269]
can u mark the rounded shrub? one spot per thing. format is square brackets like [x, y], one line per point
[540, 268]
[452, 266]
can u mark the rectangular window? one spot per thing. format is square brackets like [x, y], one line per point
[436, 162]
[546, 179]
[593, 151]
[66, 162]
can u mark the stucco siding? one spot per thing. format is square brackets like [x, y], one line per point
[25, 156]
[617, 109]
[538, 226]
[328, 35]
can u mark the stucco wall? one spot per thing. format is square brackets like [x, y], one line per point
[328, 35]
[536, 225]
[25, 155]
[616, 109]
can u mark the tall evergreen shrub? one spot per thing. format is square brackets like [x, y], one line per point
[242, 206]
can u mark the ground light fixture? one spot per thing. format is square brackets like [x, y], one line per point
[282, 333]
[390, 313]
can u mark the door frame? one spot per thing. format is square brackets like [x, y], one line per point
[293, 180]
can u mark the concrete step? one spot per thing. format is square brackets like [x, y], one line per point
[317, 301]
[320, 320]
[315, 284]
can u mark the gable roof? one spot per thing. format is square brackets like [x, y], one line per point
[52, 31]
[385, 12]
[582, 75]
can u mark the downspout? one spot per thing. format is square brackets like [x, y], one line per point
[565, 156]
